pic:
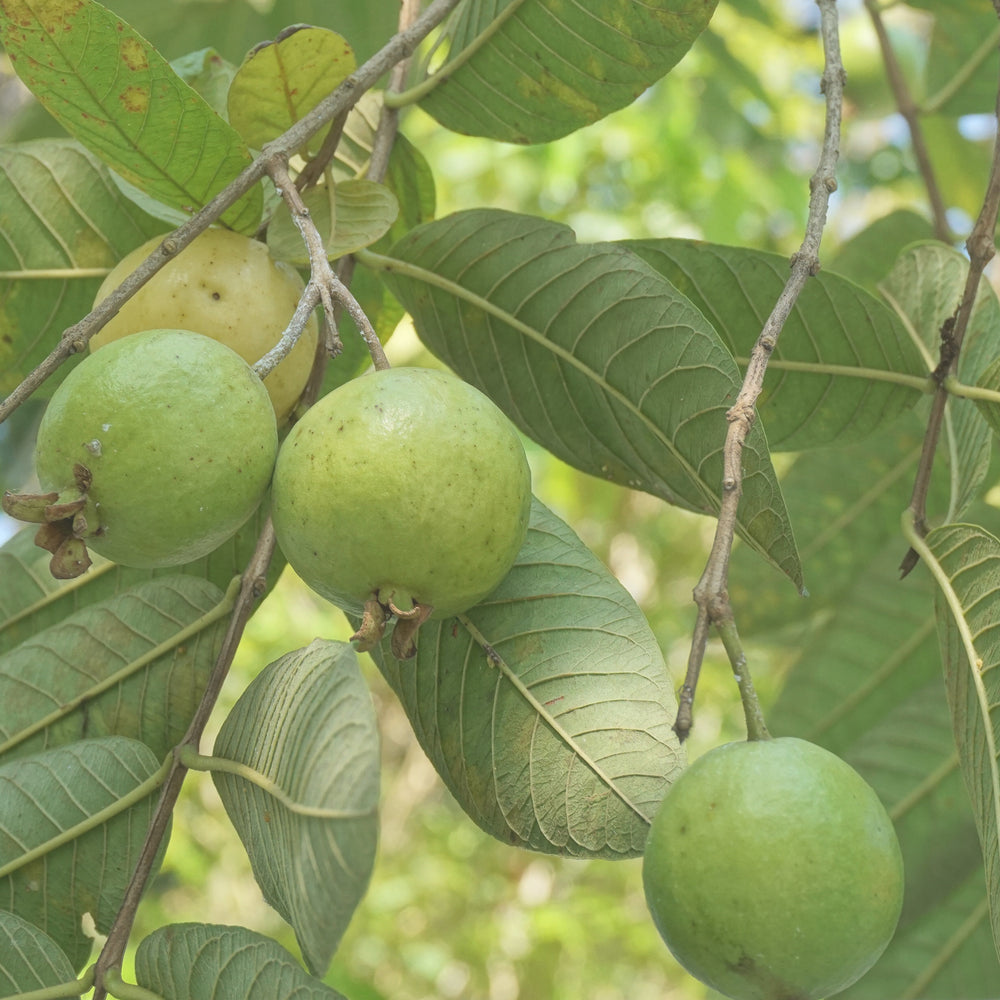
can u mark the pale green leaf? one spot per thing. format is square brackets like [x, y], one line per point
[534, 70]
[133, 665]
[358, 213]
[31, 599]
[307, 725]
[867, 686]
[63, 225]
[968, 612]
[211, 962]
[209, 74]
[591, 353]
[547, 709]
[282, 81]
[869, 255]
[831, 378]
[29, 958]
[109, 88]
[962, 63]
[72, 823]
[925, 287]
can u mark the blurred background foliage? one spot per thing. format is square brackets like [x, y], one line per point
[721, 149]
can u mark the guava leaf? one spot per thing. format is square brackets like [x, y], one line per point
[829, 380]
[29, 958]
[869, 256]
[31, 599]
[134, 665]
[925, 287]
[358, 214]
[962, 64]
[968, 609]
[63, 226]
[547, 709]
[211, 75]
[74, 818]
[867, 686]
[208, 961]
[282, 81]
[109, 88]
[306, 723]
[591, 353]
[534, 70]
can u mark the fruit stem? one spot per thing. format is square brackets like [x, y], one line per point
[752, 712]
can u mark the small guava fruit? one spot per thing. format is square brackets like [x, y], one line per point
[152, 452]
[773, 872]
[227, 287]
[405, 490]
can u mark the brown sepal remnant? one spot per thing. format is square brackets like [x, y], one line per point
[372, 627]
[404, 635]
[63, 524]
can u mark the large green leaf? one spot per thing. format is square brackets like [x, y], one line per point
[63, 224]
[867, 686]
[967, 571]
[133, 665]
[29, 958]
[547, 709]
[535, 70]
[108, 87]
[307, 725]
[925, 287]
[869, 255]
[209, 961]
[831, 377]
[591, 353]
[72, 822]
[31, 599]
[962, 63]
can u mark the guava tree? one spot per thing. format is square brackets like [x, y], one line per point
[833, 411]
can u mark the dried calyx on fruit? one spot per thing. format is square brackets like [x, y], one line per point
[152, 452]
[404, 493]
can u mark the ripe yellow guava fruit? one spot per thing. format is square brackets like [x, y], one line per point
[155, 450]
[772, 871]
[407, 486]
[227, 287]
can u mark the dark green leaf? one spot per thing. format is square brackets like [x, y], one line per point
[133, 665]
[307, 724]
[869, 256]
[77, 794]
[29, 958]
[535, 70]
[208, 962]
[591, 353]
[108, 87]
[547, 709]
[831, 377]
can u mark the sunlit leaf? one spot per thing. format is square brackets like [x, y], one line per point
[591, 353]
[547, 709]
[925, 287]
[307, 724]
[282, 81]
[82, 811]
[209, 961]
[63, 224]
[109, 88]
[535, 70]
[133, 665]
[829, 380]
[968, 614]
[29, 958]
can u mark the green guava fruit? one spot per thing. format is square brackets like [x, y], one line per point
[153, 451]
[406, 487]
[772, 871]
[227, 287]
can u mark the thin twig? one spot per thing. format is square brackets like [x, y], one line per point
[711, 594]
[981, 246]
[907, 107]
[76, 337]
